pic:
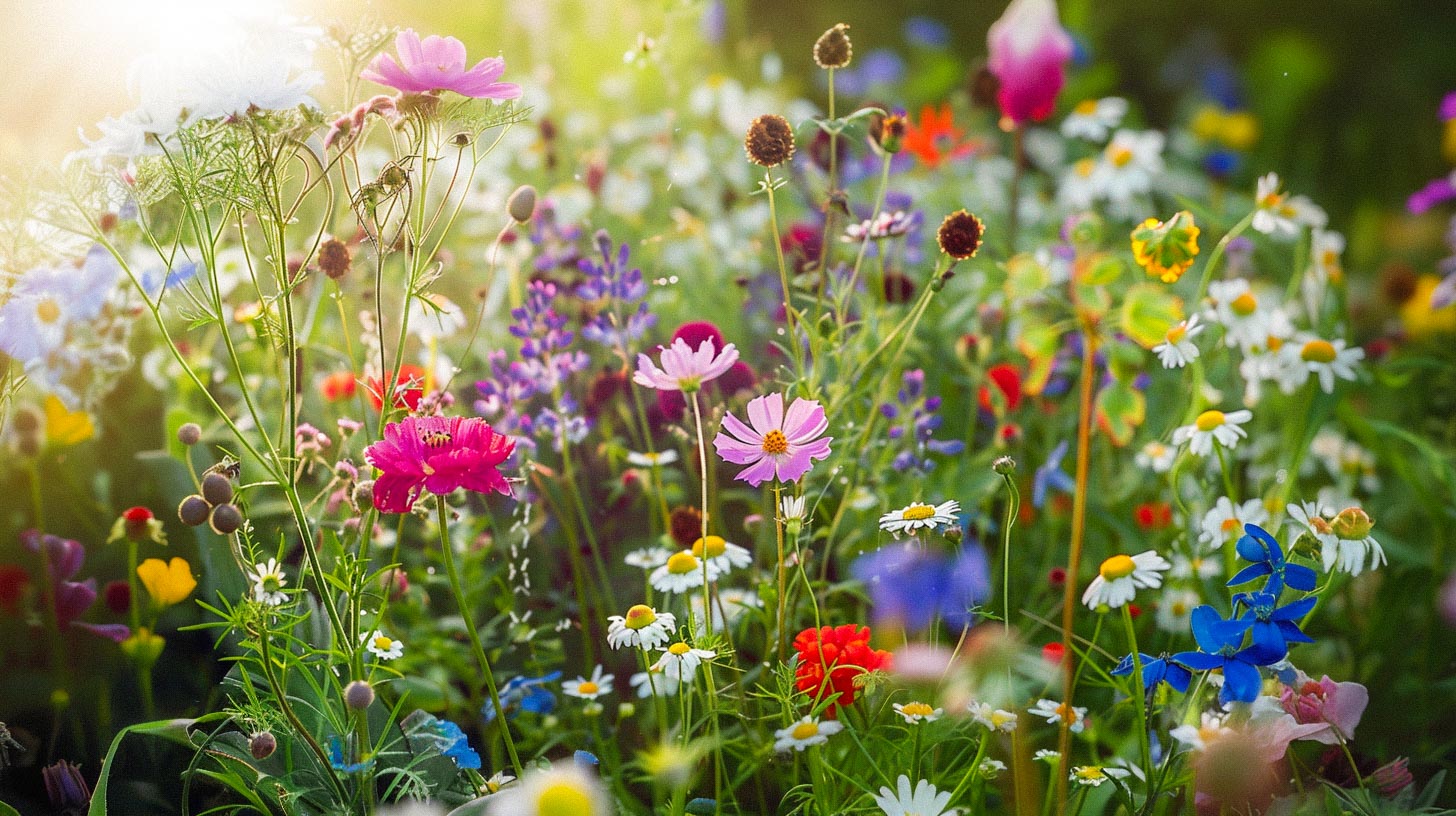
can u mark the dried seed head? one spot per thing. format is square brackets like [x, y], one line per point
[363, 495]
[960, 235]
[833, 49]
[685, 525]
[226, 519]
[193, 510]
[262, 745]
[770, 141]
[334, 258]
[217, 489]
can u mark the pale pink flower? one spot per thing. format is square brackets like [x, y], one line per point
[1336, 706]
[779, 445]
[684, 369]
[438, 64]
[1029, 51]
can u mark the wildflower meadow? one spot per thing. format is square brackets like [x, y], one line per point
[875, 420]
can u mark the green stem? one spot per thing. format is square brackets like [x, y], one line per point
[1142, 694]
[703, 531]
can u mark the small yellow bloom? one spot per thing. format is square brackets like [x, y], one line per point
[1419, 319]
[64, 426]
[143, 647]
[1166, 248]
[167, 582]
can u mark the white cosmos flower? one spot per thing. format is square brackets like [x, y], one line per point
[1121, 576]
[804, 733]
[647, 557]
[923, 799]
[1157, 457]
[1093, 119]
[918, 516]
[682, 572]
[383, 646]
[1055, 713]
[657, 459]
[642, 628]
[1177, 349]
[1225, 521]
[585, 689]
[680, 661]
[917, 712]
[993, 718]
[1213, 426]
[723, 556]
[268, 582]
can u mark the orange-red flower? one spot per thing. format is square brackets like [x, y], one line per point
[841, 652]
[339, 385]
[934, 138]
[407, 390]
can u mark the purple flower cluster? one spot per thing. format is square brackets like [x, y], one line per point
[556, 244]
[619, 322]
[913, 421]
[545, 339]
[912, 586]
[70, 599]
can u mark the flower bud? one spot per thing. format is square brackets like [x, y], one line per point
[1352, 524]
[522, 204]
[193, 510]
[136, 523]
[960, 235]
[226, 519]
[189, 434]
[262, 745]
[892, 133]
[395, 583]
[1004, 465]
[358, 695]
[217, 489]
[833, 48]
[118, 597]
[363, 495]
[626, 710]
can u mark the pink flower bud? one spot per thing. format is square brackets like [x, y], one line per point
[1029, 51]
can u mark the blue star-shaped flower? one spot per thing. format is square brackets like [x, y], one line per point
[1219, 641]
[1156, 670]
[1267, 558]
[1272, 626]
[526, 693]
[1050, 476]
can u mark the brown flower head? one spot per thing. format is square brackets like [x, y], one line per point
[770, 141]
[833, 49]
[686, 525]
[333, 258]
[960, 235]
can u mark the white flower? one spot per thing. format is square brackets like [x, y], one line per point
[654, 684]
[1078, 188]
[729, 603]
[1328, 359]
[995, 719]
[1177, 349]
[1197, 737]
[1175, 609]
[921, 800]
[1047, 755]
[642, 628]
[657, 459]
[917, 712]
[681, 661]
[1280, 215]
[1157, 457]
[804, 733]
[1194, 567]
[1310, 519]
[498, 780]
[565, 787]
[791, 508]
[1353, 543]
[585, 689]
[991, 768]
[1325, 249]
[383, 646]
[1055, 713]
[1213, 426]
[1093, 119]
[1225, 521]
[682, 572]
[1121, 576]
[723, 556]
[268, 582]
[647, 557]
[1095, 775]
[1247, 326]
[918, 516]
[1129, 164]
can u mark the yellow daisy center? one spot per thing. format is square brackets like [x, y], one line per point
[917, 512]
[640, 616]
[917, 710]
[1179, 608]
[587, 687]
[679, 649]
[713, 546]
[1318, 351]
[1271, 201]
[1089, 773]
[1118, 566]
[774, 442]
[1000, 718]
[1084, 167]
[1244, 305]
[1229, 525]
[1066, 712]
[1176, 334]
[805, 730]
[1119, 156]
[1208, 420]
[1274, 343]
[563, 799]
[383, 643]
[48, 311]
[1086, 107]
[682, 563]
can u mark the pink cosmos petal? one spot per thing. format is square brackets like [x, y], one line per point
[407, 43]
[438, 64]
[737, 453]
[439, 454]
[445, 52]
[794, 465]
[766, 413]
[805, 421]
[742, 433]
[759, 473]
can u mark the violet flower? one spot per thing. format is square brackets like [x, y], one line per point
[71, 599]
[611, 280]
[914, 419]
[912, 586]
[438, 64]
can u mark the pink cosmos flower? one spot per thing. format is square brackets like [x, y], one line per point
[438, 64]
[1336, 706]
[684, 369]
[438, 454]
[1029, 51]
[778, 445]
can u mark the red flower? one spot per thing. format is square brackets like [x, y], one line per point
[340, 385]
[844, 653]
[438, 454]
[1153, 515]
[1053, 653]
[935, 138]
[407, 390]
[1007, 380]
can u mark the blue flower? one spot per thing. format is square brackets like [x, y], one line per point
[1220, 641]
[1273, 627]
[585, 759]
[927, 32]
[1156, 670]
[457, 746]
[1267, 558]
[912, 585]
[1050, 476]
[525, 693]
[336, 758]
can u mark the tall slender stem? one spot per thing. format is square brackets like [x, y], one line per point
[773, 219]
[703, 530]
[779, 534]
[1142, 692]
[1018, 168]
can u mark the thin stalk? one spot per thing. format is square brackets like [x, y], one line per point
[1142, 693]
[773, 220]
[703, 532]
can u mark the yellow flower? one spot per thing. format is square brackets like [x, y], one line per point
[1166, 248]
[167, 582]
[64, 426]
[1419, 319]
[143, 647]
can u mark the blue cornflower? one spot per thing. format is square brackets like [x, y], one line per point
[525, 693]
[1260, 548]
[911, 585]
[585, 759]
[1220, 641]
[1273, 627]
[1050, 476]
[336, 758]
[1156, 670]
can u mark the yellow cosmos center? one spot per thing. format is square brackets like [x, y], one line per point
[1119, 156]
[639, 616]
[383, 643]
[587, 687]
[1244, 305]
[1118, 566]
[774, 442]
[563, 799]
[1318, 351]
[805, 730]
[1084, 168]
[682, 563]
[1208, 420]
[1177, 333]
[917, 512]
[712, 547]
[1086, 107]
[48, 311]
[917, 710]
[679, 649]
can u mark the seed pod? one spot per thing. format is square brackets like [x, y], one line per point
[358, 695]
[833, 48]
[334, 258]
[226, 519]
[189, 434]
[770, 141]
[193, 510]
[217, 489]
[262, 745]
[1004, 465]
[522, 204]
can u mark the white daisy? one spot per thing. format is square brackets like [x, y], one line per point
[1213, 426]
[1281, 215]
[1353, 543]
[1328, 359]
[723, 556]
[917, 712]
[1177, 349]
[497, 780]
[647, 557]
[921, 800]
[804, 733]
[642, 628]
[1095, 775]
[383, 646]
[1055, 713]
[1325, 249]
[658, 459]
[682, 572]
[1078, 189]
[994, 719]
[1047, 755]
[1157, 457]
[1194, 567]
[1093, 119]
[991, 768]
[920, 516]
[566, 787]
[268, 582]
[1225, 521]
[1247, 325]
[585, 689]
[655, 683]
[1197, 737]
[1175, 609]
[1121, 576]
[1310, 519]
[791, 508]
[681, 661]
[1129, 165]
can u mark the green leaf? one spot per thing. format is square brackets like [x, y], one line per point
[1148, 312]
[6, 810]
[1120, 410]
[171, 730]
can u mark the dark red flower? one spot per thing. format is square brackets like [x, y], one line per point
[843, 653]
[1057, 577]
[695, 332]
[118, 597]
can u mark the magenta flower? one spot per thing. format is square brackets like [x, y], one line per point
[778, 445]
[1336, 706]
[684, 369]
[438, 454]
[438, 64]
[1029, 51]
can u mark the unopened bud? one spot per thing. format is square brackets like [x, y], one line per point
[193, 510]
[189, 434]
[262, 745]
[358, 695]
[522, 204]
[1004, 465]
[217, 489]
[226, 519]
